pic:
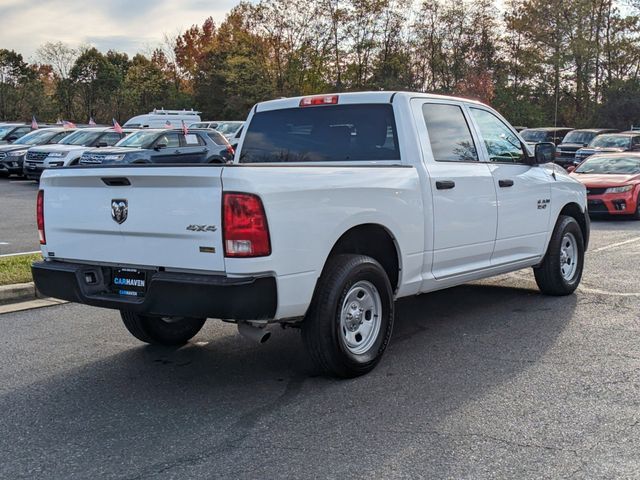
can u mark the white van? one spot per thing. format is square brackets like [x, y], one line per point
[163, 118]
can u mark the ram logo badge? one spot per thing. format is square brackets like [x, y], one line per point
[119, 210]
[202, 228]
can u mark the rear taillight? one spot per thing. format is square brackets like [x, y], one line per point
[245, 229]
[319, 100]
[40, 217]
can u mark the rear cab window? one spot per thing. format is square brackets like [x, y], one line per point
[332, 133]
[449, 133]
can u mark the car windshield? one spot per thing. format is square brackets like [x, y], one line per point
[611, 165]
[228, 128]
[611, 141]
[582, 138]
[140, 139]
[5, 130]
[37, 137]
[534, 135]
[81, 137]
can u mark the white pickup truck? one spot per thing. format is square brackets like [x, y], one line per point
[334, 206]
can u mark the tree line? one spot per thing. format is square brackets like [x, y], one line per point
[540, 62]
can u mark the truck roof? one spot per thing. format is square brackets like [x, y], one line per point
[355, 98]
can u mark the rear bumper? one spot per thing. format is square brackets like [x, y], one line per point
[168, 293]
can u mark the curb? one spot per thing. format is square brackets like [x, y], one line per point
[18, 292]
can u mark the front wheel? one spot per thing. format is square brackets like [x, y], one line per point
[161, 330]
[561, 269]
[349, 322]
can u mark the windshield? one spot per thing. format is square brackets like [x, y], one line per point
[611, 141]
[228, 128]
[322, 134]
[141, 139]
[81, 137]
[5, 130]
[534, 135]
[37, 137]
[583, 138]
[610, 165]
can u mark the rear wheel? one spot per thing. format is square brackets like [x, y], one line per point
[561, 269]
[161, 330]
[349, 323]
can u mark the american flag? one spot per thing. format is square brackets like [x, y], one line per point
[116, 126]
[34, 124]
[67, 124]
[91, 121]
[185, 130]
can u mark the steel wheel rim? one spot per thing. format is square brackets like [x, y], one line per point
[360, 317]
[568, 256]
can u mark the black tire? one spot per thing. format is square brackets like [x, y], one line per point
[549, 276]
[636, 214]
[159, 331]
[322, 332]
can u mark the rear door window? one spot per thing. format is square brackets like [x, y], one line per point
[449, 133]
[365, 132]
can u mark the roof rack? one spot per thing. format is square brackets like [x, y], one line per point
[162, 111]
[635, 128]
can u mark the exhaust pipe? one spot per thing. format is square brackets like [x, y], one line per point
[256, 334]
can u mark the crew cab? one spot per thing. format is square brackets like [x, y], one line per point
[69, 150]
[334, 207]
[164, 146]
[12, 156]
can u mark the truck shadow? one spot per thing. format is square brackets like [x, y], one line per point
[208, 402]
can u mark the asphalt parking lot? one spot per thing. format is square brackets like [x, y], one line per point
[18, 231]
[487, 380]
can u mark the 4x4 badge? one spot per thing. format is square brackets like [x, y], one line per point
[119, 209]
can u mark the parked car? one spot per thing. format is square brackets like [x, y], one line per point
[329, 213]
[12, 156]
[69, 150]
[554, 135]
[10, 132]
[164, 146]
[575, 140]
[227, 128]
[609, 142]
[613, 183]
[161, 118]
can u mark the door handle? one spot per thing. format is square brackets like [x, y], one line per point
[445, 184]
[505, 183]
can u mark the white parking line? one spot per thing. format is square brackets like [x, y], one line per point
[18, 254]
[614, 245]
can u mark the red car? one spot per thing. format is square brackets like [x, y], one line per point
[613, 183]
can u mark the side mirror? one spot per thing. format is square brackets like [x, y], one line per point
[160, 146]
[102, 144]
[12, 139]
[570, 168]
[545, 152]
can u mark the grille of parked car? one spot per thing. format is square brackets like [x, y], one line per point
[2, 155]
[595, 191]
[91, 158]
[37, 156]
[597, 206]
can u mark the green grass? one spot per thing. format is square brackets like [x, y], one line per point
[17, 269]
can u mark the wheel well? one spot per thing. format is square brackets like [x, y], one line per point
[574, 210]
[374, 241]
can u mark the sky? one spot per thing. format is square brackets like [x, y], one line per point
[131, 26]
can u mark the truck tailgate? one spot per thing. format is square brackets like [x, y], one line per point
[143, 216]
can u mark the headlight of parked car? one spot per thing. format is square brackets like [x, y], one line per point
[114, 157]
[17, 153]
[56, 154]
[626, 188]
